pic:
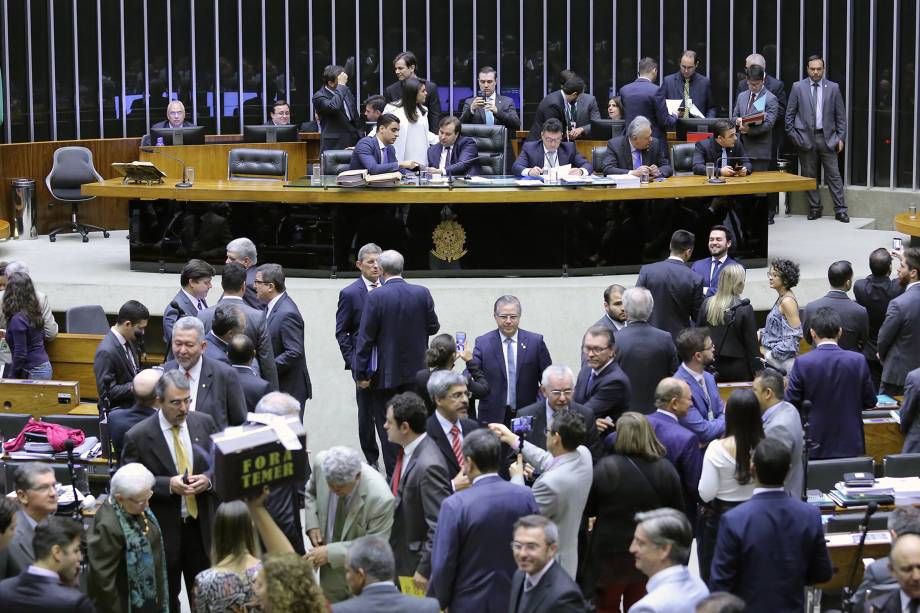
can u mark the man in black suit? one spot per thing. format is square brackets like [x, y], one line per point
[215, 387]
[639, 98]
[286, 330]
[174, 445]
[875, 292]
[240, 353]
[449, 423]
[421, 481]
[550, 152]
[602, 385]
[646, 354]
[226, 322]
[905, 557]
[853, 316]
[724, 150]
[898, 338]
[192, 297]
[637, 152]
[540, 584]
[46, 585]
[689, 86]
[373, 109]
[405, 64]
[614, 315]
[242, 251]
[677, 291]
[489, 107]
[562, 106]
[117, 360]
[454, 155]
[145, 398]
[338, 114]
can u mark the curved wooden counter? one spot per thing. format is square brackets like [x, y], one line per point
[903, 223]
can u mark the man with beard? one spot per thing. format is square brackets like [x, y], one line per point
[709, 268]
[696, 351]
[899, 336]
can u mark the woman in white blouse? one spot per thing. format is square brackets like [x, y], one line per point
[726, 480]
[414, 137]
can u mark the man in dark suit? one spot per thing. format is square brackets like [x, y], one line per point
[709, 268]
[677, 290]
[233, 282]
[614, 316]
[226, 322]
[34, 483]
[696, 352]
[373, 109]
[512, 360]
[639, 98]
[376, 154]
[117, 360]
[910, 411]
[371, 573]
[449, 424]
[899, 336]
[347, 323]
[540, 584]
[637, 152]
[215, 386]
[405, 64]
[567, 105]
[46, 585]
[242, 251]
[420, 483]
[905, 557]
[689, 86]
[758, 138]
[488, 107]
[770, 526]
[122, 420]
[838, 384]
[174, 445]
[471, 563]
[878, 577]
[854, 318]
[454, 155]
[192, 297]
[175, 118]
[393, 336]
[875, 292]
[286, 330]
[602, 386]
[549, 152]
[645, 353]
[338, 114]
[774, 86]
[240, 352]
[724, 150]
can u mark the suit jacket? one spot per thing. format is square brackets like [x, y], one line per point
[257, 331]
[738, 342]
[703, 268]
[709, 150]
[366, 155]
[853, 316]
[114, 372]
[561, 492]
[145, 443]
[531, 359]
[220, 394]
[608, 393]
[339, 130]
[619, 159]
[785, 423]
[683, 449]
[532, 155]
[462, 160]
[370, 512]
[875, 293]
[393, 93]
[754, 536]
[249, 295]
[672, 88]
[697, 419]
[19, 555]
[608, 323]
[888, 602]
[422, 489]
[505, 114]
[557, 592]
[639, 98]
[838, 384]
[554, 105]
[28, 592]
[899, 337]
[471, 562]
[586, 109]
[677, 291]
[385, 598]
[800, 116]
[647, 355]
[775, 87]
[537, 436]
[122, 420]
[672, 590]
[436, 433]
[216, 349]
[348, 318]
[910, 410]
[286, 330]
[254, 387]
[877, 578]
[397, 320]
[171, 315]
[758, 142]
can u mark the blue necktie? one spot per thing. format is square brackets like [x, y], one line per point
[724, 159]
[386, 155]
[714, 277]
[512, 374]
[490, 118]
[637, 159]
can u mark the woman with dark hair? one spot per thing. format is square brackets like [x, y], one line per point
[25, 332]
[780, 336]
[637, 477]
[732, 328]
[726, 480]
[441, 355]
[414, 136]
[615, 108]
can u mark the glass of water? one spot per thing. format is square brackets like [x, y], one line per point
[316, 176]
[710, 171]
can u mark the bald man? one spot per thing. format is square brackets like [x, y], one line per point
[121, 420]
[175, 118]
[905, 567]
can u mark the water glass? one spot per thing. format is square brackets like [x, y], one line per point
[912, 211]
[189, 176]
[710, 170]
[644, 177]
[316, 177]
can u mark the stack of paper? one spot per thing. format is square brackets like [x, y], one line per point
[625, 180]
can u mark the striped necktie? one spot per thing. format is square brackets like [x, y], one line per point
[455, 444]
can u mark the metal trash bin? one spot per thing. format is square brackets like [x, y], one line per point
[25, 224]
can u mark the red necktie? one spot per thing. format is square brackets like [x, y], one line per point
[455, 444]
[397, 472]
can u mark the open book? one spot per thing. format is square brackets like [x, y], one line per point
[139, 172]
[353, 178]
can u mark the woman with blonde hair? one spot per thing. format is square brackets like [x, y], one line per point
[732, 328]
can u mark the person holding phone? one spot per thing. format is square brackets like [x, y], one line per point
[442, 354]
[488, 106]
[723, 150]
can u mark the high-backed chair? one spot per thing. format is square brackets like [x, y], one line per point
[824, 474]
[11, 424]
[850, 522]
[598, 158]
[72, 168]
[334, 161]
[682, 158]
[86, 319]
[491, 141]
[257, 164]
[901, 465]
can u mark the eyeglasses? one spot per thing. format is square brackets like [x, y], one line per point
[260, 282]
[709, 348]
[178, 402]
[508, 317]
[560, 393]
[592, 350]
[43, 488]
[528, 547]
[459, 395]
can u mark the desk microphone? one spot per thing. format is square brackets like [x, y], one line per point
[176, 306]
[183, 183]
[68, 445]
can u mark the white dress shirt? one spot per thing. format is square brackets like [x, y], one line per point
[408, 450]
[193, 299]
[532, 581]
[512, 346]
[272, 303]
[193, 380]
[446, 425]
[186, 442]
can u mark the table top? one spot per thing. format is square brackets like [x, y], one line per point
[903, 223]
[4, 229]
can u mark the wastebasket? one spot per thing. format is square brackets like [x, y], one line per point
[25, 222]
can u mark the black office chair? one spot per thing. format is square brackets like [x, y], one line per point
[86, 319]
[901, 465]
[490, 141]
[243, 164]
[334, 161]
[824, 474]
[598, 158]
[850, 522]
[61, 474]
[89, 424]
[682, 158]
[72, 168]
[11, 424]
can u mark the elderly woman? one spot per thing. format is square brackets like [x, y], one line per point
[127, 564]
[441, 355]
[780, 336]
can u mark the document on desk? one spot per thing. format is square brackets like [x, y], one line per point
[625, 181]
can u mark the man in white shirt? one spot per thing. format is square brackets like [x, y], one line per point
[540, 585]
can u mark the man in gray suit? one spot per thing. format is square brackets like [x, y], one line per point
[910, 413]
[899, 336]
[34, 483]
[420, 483]
[369, 572]
[853, 316]
[757, 139]
[781, 421]
[816, 121]
[540, 585]
[566, 471]
[878, 577]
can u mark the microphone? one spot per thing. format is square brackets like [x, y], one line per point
[176, 306]
[744, 302]
[68, 445]
[183, 183]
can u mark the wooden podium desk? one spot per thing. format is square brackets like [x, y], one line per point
[210, 160]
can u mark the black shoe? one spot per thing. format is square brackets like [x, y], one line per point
[843, 217]
[770, 221]
[813, 215]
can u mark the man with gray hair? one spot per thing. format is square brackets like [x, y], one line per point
[50, 327]
[346, 499]
[661, 546]
[370, 574]
[38, 500]
[449, 424]
[637, 152]
[539, 585]
[646, 354]
[878, 577]
[243, 252]
[396, 322]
